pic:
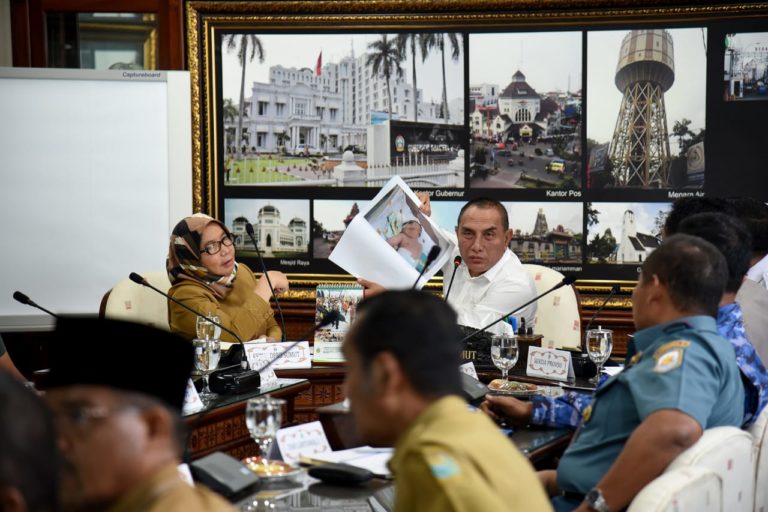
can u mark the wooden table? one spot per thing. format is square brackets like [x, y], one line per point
[222, 428]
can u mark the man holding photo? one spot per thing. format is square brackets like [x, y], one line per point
[490, 281]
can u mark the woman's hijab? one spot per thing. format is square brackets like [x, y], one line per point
[184, 260]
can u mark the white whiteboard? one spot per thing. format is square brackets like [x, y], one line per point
[95, 170]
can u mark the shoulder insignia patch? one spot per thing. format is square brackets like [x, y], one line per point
[669, 360]
[587, 413]
[669, 346]
[443, 466]
[634, 359]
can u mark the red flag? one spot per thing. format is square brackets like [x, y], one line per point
[319, 66]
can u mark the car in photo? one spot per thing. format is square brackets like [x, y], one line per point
[556, 165]
[306, 149]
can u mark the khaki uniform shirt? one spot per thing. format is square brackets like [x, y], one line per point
[242, 310]
[165, 491]
[454, 459]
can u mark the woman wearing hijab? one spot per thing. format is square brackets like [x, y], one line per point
[205, 276]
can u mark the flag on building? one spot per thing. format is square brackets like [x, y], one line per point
[319, 66]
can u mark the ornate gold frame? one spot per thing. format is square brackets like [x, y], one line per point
[205, 18]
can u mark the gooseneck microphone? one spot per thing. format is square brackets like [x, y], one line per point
[456, 263]
[614, 290]
[249, 230]
[567, 280]
[20, 297]
[136, 278]
[434, 252]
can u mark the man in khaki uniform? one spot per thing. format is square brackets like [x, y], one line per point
[118, 420]
[403, 385]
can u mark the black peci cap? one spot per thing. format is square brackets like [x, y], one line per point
[121, 355]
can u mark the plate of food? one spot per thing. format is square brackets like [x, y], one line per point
[272, 469]
[512, 388]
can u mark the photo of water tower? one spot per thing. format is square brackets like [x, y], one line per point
[646, 116]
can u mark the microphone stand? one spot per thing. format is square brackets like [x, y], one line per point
[456, 263]
[249, 230]
[136, 278]
[566, 281]
[434, 252]
[20, 297]
[614, 290]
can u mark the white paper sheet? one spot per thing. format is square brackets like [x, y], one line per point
[366, 250]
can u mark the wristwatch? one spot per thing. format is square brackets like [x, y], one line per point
[594, 500]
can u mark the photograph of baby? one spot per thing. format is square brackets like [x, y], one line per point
[399, 222]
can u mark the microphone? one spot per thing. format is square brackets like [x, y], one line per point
[249, 230]
[614, 290]
[456, 263]
[434, 252]
[136, 278]
[20, 297]
[567, 280]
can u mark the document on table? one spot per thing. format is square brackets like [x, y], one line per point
[366, 457]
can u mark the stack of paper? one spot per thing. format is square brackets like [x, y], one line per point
[366, 457]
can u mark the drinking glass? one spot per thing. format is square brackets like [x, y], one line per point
[205, 329]
[207, 354]
[599, 346]
[263, 416]
[504, 352]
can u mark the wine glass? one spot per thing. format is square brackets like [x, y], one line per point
[599, 346]
[205, 329]
[207, 354]
[504, 352]
[263, 416]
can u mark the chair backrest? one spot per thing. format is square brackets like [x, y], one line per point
[759, 431]
[557, 315]
[684, 489]
[728, 452]
[133, 302]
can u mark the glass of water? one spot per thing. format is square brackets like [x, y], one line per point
[263, 416]
[504, 352]
[599, 346]
[207, 354]
[206, 330]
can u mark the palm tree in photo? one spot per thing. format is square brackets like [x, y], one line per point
[385, 59]
[229, 112]
[438, 41]
[413, 40]
[246, 45]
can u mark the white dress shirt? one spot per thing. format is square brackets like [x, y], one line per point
[759, 272]
[480, 300]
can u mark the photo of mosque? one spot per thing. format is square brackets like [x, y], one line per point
[281, 227]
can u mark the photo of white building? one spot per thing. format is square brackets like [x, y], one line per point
[281, 227]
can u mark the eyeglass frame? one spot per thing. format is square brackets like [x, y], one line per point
[80, 416]
[217, 244]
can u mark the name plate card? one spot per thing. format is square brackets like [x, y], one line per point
[260, 352]
[192, 402]
[469, 369]
[549, 363]
[306, 440]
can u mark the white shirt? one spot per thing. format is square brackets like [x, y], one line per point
[759, 272]
[480, 300]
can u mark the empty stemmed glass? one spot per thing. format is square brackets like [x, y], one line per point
[599, 346]
[263, 416]
[207, 353]
[504, 352]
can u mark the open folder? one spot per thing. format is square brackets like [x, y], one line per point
[366, 457]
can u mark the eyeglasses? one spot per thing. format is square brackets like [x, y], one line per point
[80, 416]
[214, 247]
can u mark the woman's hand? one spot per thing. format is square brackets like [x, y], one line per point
[279, 283]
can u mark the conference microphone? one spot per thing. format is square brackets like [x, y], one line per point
[456, 263]
[249, 230]
[567, 280]
[434, 252]
[614, 290]
[136, 278]
[20, 297]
